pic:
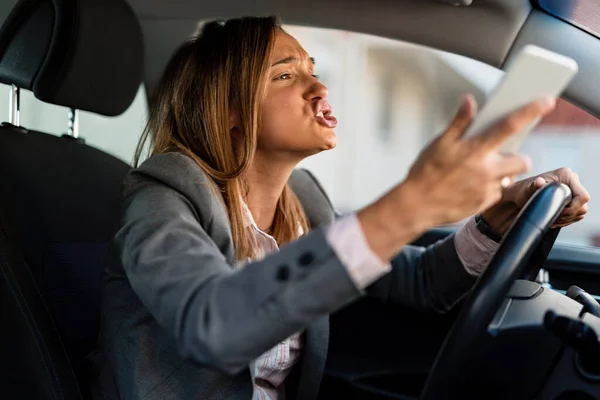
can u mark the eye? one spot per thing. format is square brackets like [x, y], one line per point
[283, 77]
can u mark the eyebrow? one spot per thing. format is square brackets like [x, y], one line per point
[289, 60]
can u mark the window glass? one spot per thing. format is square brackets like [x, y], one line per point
[391, 98]
[584, 14]
[115, 135]
[565, 138]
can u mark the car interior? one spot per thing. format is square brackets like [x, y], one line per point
[529, 329]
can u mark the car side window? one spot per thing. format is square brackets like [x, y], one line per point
[117, 136]
[584, 14]
[566, 138]
[391, 98]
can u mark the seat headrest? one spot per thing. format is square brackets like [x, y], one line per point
[83, 54]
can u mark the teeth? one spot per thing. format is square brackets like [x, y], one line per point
[320, 114]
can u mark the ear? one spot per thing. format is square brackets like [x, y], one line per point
[235, 130]
[234, 120]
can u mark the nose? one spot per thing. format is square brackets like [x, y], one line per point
[317, 90]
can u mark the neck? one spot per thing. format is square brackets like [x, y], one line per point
[266, 178]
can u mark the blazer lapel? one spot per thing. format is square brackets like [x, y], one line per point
[313, 359]
[319, 212]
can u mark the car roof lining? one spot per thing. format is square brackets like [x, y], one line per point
[490, 31]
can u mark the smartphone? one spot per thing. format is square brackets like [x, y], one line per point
[534, 73]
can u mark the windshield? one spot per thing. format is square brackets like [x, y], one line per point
[584, 14]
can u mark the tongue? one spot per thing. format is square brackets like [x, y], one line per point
[329, 121]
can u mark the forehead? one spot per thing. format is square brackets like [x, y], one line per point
[287, 46]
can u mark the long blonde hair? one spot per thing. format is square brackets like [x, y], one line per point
[222, 67]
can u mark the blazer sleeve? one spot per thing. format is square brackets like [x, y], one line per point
[427, 278]
[221, 317]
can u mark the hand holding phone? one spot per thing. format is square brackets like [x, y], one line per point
[534, 74]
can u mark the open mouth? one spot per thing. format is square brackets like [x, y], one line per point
[323, 114]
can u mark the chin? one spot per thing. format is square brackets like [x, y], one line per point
[324, 141]
[329, 145]
[330, 140]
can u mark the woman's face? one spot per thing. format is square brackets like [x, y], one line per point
[295, 119]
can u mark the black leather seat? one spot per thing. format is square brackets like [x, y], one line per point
[59, 198]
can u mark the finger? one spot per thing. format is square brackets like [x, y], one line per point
[580, 195]
[514, 123]
[582, 210]
[572, 216]
[535, 185]
[567, 220]
[463, 118]
[538, 183]
[511, 165]
[565, 224]
[567, 217]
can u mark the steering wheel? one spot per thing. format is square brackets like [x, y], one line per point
[511, 262]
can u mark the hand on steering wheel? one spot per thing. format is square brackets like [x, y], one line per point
[512, 261]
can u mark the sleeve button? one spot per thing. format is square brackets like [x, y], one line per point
[283, 273]
[306, 259]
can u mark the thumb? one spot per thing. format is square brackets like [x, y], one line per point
[463, 118]
[524, 194]
[538, 183]
[534, 186]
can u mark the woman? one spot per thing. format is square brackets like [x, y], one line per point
[205, 305]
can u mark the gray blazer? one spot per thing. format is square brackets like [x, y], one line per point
[179, 323]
